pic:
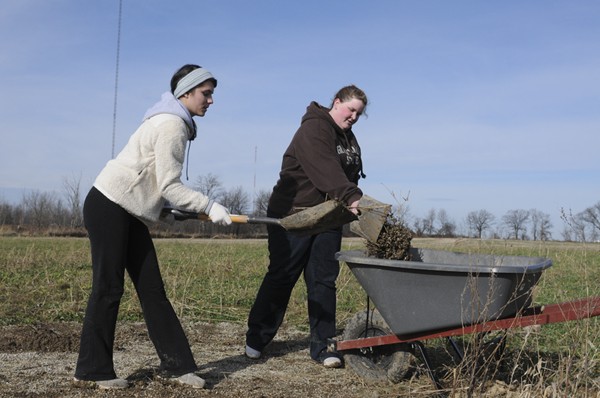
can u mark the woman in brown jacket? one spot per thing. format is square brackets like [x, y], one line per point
[322, 162]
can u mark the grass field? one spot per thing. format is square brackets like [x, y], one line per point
[48, 280]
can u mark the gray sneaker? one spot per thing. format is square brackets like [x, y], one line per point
[252, 353]
[330, 359]
[191, 379]
[332, 362]
[112, 384]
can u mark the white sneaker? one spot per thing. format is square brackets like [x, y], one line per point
[332, 362]
[112, 384]
[252, 353]
[191, 379]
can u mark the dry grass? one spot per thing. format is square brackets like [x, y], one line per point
[48, 279]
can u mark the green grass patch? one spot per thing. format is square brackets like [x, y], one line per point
[48, 279]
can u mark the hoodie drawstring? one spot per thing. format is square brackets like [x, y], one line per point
[187, 161]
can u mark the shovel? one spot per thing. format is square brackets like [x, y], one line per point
[327, 215]
[181, 215]
[372, 216]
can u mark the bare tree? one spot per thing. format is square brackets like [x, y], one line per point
[236, 200]
[19, 215]
[6, 213]
[540, 225]
[418, 227]
[73, 196]
[575, 227]
[516, 221]
[447, 226]
[210, 185]
[578, 227]
[545, 232]
[42, 209]
[566, 234]
[591, 215]
[479, 221]
[261, 202]
[429, 222]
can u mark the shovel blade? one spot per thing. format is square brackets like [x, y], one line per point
[327, 215]
[373, 215]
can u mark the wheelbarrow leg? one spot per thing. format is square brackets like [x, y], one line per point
[494, 347]
[428, 364]
[457, 350]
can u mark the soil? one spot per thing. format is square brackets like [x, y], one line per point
[38, 361]
[393, 243]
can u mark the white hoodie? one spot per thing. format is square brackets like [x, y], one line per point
[147, 172]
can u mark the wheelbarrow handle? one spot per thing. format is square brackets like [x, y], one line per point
[181, 215]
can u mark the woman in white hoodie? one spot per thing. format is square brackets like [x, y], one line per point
[131, 190]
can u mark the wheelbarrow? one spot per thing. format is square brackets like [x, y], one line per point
[441, 294]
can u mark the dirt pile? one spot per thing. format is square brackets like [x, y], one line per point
[394, 241]
[55, 337]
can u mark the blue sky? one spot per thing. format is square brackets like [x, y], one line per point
[473, 104]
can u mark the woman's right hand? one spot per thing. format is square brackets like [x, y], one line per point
[219, 214]
[354, 208]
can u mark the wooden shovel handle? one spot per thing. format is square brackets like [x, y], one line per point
[244, 219]
[235, 218]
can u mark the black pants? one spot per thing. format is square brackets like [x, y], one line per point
[291, 254]
[121, 242]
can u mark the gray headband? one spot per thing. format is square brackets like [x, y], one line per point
[191, 80]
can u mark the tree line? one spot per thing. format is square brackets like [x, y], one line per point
[48, 213]
[520, 224]
[514, 224]
[54, 214]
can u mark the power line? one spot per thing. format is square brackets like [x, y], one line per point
[116, 79]
[254, 183]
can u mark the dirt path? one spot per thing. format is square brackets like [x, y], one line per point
[38, 361]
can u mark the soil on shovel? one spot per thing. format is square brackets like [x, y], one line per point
[393, 243]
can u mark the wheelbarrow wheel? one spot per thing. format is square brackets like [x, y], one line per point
[376, 364]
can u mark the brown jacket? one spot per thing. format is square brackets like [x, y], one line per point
[322, 162]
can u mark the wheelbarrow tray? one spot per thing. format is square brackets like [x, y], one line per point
[441, 289]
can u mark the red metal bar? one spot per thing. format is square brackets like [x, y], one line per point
[568, 311]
